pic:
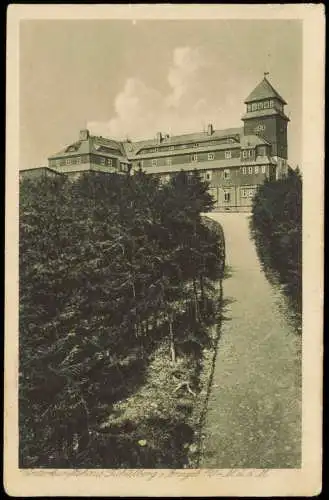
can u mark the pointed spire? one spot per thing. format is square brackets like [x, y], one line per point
[264, 90]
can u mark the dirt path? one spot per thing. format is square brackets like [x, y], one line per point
[254, 410]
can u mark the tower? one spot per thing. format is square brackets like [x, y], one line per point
[265, 117]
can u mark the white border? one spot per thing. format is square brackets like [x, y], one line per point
[305, 481]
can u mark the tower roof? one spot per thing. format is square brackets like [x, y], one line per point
[264, 90]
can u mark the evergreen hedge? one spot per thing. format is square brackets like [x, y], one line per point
[277, 225]
[111, 268]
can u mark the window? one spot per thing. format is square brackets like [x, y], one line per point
[78, 159]
[244, 170]
[58, 162]
[168, 161]
[228, 155]
[250, 170]
[248, 107]
[227, 196]
[245, 154]
[254, 106]
[194, 157]
[208, 175]
[256, 170]
[102, 161]
[68, 161]
[263, 169]
[154, 162]
[244, 193]
[271, 104]
[266, 104]
[171, 148]
[196, 145]
[124, 167]
[109, 162]
[227, 173]
[211, 156]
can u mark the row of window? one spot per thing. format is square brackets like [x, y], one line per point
[77, 160]
[254, 170]
[247, 192]
[194, 158]
[211, 156]
[184, 146]
[255, 106]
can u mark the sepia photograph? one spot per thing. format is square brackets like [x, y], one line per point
[158, 231]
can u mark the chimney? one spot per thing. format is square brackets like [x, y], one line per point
[159, 137]
[210, 129]
[84, 135]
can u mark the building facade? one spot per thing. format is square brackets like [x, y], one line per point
[234, 161]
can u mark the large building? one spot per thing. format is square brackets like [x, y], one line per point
[234, 161]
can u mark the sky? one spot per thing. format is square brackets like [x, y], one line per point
[124, 78]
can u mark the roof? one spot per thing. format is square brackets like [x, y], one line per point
[133, 147]
[38, 169]
[264, 90]
[94, 144]
[186, 151]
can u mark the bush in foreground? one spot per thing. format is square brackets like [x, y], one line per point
[277, 224]
[113, 269]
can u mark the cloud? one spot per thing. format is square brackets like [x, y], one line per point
[194, 99]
